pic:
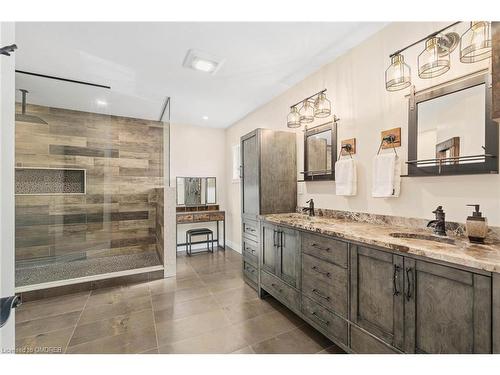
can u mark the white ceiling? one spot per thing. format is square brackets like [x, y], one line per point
[142, 62]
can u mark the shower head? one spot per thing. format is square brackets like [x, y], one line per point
[28, 118]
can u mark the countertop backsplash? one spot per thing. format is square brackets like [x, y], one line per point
[453, 228]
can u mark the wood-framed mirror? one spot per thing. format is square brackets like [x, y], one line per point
[320, 152]
[451, 130]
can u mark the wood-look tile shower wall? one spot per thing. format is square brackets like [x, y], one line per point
[123, 158]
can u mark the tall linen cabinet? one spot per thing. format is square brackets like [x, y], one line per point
[268, 185]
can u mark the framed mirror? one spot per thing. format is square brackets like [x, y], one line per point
[451, 130]
[196, 191]
[320, 152]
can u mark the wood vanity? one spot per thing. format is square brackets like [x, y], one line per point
[375, 299]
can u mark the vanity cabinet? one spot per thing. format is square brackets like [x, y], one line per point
[269, 252]
[289, 256]
[268, 174]
[377, 301]
[373, 300]
[447, 310]
[325, 274]
[281, 253]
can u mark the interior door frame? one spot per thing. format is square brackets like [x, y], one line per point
[7, 162]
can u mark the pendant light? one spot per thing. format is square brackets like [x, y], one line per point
[293, 118]
[434, 60]
[312, 107]
[475, 44]
[398, 74]
[306, 112]
[322, 106]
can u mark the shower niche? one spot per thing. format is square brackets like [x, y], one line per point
[35, 181]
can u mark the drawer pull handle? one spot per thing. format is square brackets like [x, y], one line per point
[316, 316]
[409, 279]
[317, 292]
[327, 274]
[249, 249]
[395, 280]
[277, 288]
[250, 229]
[320, 247]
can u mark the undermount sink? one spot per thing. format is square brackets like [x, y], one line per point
[425, 237]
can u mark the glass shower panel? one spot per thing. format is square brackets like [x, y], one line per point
[85, 184]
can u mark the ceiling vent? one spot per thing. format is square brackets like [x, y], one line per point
[202, 61]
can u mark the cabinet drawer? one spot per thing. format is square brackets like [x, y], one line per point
[363, 343]
[326, 283]
[250, 229]
[185, 218]
[216, 216]
[325, 248]
[251, 251]
[331, 324]
[250, 271]
[201, 217]
[283, 292]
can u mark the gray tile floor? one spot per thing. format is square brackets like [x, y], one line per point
[207, 308]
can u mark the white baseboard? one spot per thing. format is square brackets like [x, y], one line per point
[235, 246]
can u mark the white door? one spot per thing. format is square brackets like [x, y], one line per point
[7, 102]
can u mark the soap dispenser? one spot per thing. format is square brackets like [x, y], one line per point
[476, 226]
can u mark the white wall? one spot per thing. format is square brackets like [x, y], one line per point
[198, 152]
[355, 83]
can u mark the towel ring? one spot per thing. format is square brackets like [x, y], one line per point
[346, 147]
[389, 139]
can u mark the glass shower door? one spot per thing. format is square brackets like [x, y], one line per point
[86, 185]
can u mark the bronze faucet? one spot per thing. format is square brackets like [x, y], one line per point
[310, 209]
[439, 224]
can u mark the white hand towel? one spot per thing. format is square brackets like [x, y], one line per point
[345, 177]
[386, 176]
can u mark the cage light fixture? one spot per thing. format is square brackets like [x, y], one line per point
[475, 43]
[305, 111]
[322, 106]
[434, 60]
[398, 74]
[293, 118]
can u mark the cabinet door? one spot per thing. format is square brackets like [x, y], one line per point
[447, 310]
[376, 293]
[250, 175]
[289, 257]
[269, 243]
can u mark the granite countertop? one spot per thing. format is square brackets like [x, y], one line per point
[461, 252]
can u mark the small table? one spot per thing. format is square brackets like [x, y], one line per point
[187, 217]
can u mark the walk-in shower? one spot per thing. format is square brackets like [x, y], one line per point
[89, 185]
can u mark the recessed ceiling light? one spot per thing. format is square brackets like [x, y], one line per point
[202, 61]
[101, 103]
[204, 65]
[205, 117]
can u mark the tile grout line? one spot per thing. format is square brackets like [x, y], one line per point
[154, 321]
[212, 294]
[78, 321]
